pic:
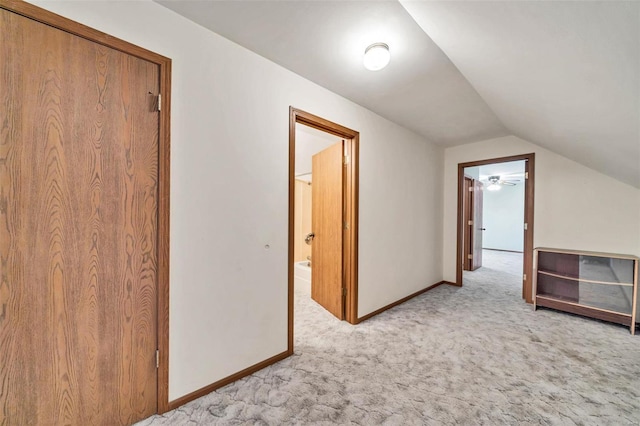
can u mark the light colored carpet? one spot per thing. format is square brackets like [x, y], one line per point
[472, 355]
[503, 261]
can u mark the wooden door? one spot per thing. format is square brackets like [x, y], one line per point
[78, 229]
[326, 222]
[476, 256]
[467, 214]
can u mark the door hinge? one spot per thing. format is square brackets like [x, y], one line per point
[345, 224]
[471, 189]
[157, 358]
[526, 175]
[469, 256]
[524, 277]
[526, 226]
[346, 159]
[470, 222]
[159, 102]
[344, 291]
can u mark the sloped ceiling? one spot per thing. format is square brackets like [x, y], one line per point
[563, 75]
[324, 41]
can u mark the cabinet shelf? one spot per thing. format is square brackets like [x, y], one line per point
[573, 302]
[556, 298]
[584, 280]
[596, 285]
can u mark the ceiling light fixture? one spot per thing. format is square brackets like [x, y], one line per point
[494, 184]
[376, 56]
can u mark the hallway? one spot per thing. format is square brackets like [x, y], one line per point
[471, 355]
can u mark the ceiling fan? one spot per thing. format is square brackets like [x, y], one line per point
[495, 182]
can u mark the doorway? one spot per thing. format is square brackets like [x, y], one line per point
[323, 194]
[495, 217]
[85, 236]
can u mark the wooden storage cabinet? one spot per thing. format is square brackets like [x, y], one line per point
[597, 285]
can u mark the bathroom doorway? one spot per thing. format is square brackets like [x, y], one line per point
[323, 188]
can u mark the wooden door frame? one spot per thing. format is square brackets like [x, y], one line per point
[528, 218]
[350, 190]
[56, 21]
[467, 213]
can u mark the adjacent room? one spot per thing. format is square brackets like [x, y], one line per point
[319, 212]
[493, 212]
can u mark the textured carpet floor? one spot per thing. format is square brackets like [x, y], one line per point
[471, 355]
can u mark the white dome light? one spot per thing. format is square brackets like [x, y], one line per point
[376, 56]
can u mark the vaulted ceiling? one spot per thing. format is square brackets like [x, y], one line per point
[563, 75]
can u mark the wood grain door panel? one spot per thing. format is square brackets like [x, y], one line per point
[78, 229]
[478, 229]
[467, 198]
[326, 219]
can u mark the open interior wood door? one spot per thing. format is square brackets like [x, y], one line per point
[78, 229]
[476, 256]
[467, 227]
[326, 220]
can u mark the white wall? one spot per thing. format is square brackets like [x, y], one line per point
[309, 142]
[473, 172]
[575, 207]
[229, 193]
[503, 218]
